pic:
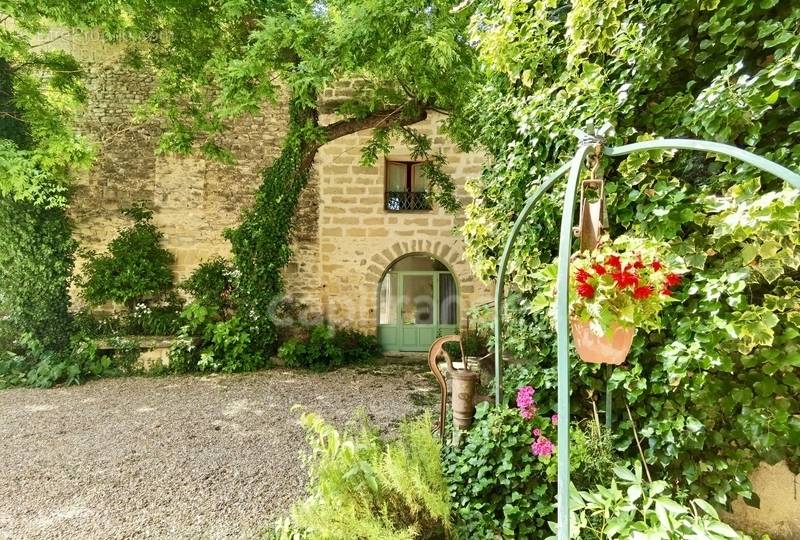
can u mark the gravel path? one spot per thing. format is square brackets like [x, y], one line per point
[178, 456]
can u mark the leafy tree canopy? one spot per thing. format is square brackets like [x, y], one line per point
[218, 60]
[40, 91]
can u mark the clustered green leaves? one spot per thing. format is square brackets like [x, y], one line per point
[631, 507]
[324, 347]
[499, 488]
[715, 392]
[363, 487]
[136, 268]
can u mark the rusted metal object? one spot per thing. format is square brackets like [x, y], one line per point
[593, 216]
[464, 386]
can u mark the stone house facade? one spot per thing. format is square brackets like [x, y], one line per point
[368, 251]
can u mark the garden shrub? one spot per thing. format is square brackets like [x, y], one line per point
[212, 284]
[631, 507]
[42, 367]
[362, 487]
[214, 336]
[715, 391]
[136, 268]
[502, 480]
[162, 318]
[208, 342]
[325, 347]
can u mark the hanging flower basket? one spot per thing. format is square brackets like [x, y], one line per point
[616, 289]
[611, 348]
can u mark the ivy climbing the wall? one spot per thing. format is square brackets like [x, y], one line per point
[261, 244]
[715, 392]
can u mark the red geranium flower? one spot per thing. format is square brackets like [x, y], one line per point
[640, 293]
[625, 279]
[599, 268]
[666, 292]
[638, 264]
[656, 265]
[585, 290]
[673, 280]
[613, 261]
[582, 276]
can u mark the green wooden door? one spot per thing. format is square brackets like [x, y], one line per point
[416, 307]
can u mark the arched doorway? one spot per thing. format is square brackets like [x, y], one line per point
[417, 302]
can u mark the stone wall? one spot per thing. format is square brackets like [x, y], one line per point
[359, 239]
[343, 239]
[779, 510]
[194, 199]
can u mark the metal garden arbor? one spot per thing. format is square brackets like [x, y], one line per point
[589, 143]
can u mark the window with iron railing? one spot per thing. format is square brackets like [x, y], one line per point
[406, 187]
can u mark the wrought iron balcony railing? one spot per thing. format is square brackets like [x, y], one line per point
[404, 201]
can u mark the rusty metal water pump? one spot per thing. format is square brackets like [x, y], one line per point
[464, 386]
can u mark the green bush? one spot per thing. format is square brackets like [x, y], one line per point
[36, 262]
[325, 348]
[633, 508]
[362, 487]
[208, 343]
[213, 284]
[157, 319]
[41, 367]
[136, 268]
[502, 480]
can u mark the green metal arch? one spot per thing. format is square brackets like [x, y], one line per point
[564, 253]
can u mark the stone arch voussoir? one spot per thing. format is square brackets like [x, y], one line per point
[441, 250]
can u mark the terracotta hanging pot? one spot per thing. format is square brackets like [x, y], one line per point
[609, 349]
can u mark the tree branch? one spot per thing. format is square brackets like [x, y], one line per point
[337, 130]
[376, 119]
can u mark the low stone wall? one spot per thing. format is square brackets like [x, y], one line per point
[153, 350]
[779, 513]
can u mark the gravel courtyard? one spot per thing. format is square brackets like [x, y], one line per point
[178, 456]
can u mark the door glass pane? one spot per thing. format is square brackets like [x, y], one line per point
[418, 299]
[420, 183]
[388, 299]
[448, 300]
[396, 176]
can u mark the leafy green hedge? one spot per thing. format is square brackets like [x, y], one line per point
[325, 348]
[136, 267]
[716, 391]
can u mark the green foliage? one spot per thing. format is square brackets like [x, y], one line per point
[326, 348]
[715, 391]
[212, 284]
[136, 267]
[208, 343]
[261, 246]
[39, 94]
[160, 319]
[499, 488]
[219, 60]
[363, 487]
[36, 261]
[475, 342]
[44, 367]
[633, 508]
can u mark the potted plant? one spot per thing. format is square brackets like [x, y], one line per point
[474, 343]
[616, 289]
